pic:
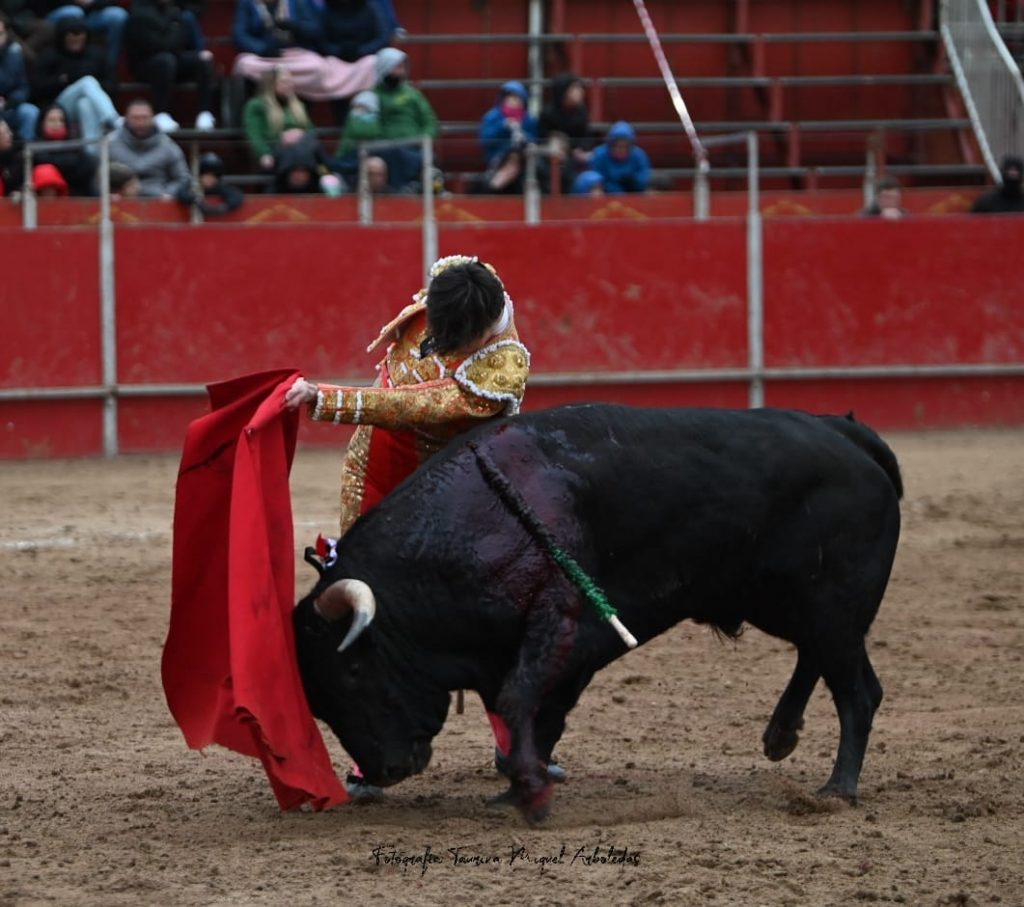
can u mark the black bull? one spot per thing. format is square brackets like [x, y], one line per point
[778, 519]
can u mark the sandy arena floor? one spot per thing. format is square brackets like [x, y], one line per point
[102, 803]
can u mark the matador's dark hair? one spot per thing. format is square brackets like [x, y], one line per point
[462, 302]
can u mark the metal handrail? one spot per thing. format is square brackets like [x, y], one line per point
[582, 379]
[872, 37]
[988, 78]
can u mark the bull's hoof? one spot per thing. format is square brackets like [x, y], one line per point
[837, 791]
[360, 792]
[507, 800]
[779, 742]
[537, 816]
[537, 808]
[504, 767]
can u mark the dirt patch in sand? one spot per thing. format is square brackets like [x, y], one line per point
[101, 802]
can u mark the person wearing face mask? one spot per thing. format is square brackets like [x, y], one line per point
[624, 167]
[76, 165]
[507, 125]
[504, 132]
[152, 155]
[403, 113]
[1007, 197]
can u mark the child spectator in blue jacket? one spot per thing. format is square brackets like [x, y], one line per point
[507, 126]
[623, 166]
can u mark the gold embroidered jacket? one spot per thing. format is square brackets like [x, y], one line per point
[437, 397]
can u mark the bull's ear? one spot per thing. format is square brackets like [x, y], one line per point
[311, 558]
[344, 597]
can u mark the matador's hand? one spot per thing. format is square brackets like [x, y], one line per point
[300, 392]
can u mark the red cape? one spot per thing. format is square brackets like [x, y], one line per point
[229, 667]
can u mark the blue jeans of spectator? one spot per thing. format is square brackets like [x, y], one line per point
[22, 120]
[109, 21]
[196, 38]
[87, 103]
[404, 165]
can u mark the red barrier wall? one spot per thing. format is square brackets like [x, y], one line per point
[203, 304]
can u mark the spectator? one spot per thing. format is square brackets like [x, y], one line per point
[275, 117]
[285, 34]
[567, 118]
[123, 182]
[76, 165]
[153, 156]
[26, 25]
[623, 166]
[377, 175]
[265, 28]
[19, 114]
[298, 169]
[352, 29]
[48, 181]
[404, 114]
[888, 200]
[165, 46]
[103, 16]
[505, 177]
[361, 125]
[214, 197]
[73, 73]
[589, 182]
[1007, 196]
[282, 138]
[12, 163]
[507, 125]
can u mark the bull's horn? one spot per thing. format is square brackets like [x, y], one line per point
[344, 597]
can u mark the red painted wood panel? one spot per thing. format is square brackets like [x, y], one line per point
[306, 210]
[917, 291]
[909, 403]
[52, 428]
[199, 305]
[622, 295]
[49, 300]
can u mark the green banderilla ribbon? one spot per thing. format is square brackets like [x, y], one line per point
[515, 502]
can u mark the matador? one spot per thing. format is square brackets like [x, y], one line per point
[452, 359]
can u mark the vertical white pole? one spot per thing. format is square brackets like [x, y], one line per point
[702, 190]
[108, 308]
[535, 61]
[28, 192]
[363, 188]
[429, 218]
[755, 278]
[531, 193]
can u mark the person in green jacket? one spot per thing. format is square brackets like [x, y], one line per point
[275, 117]
[402, 112]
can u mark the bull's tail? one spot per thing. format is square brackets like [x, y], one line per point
[866, 439]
